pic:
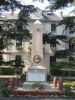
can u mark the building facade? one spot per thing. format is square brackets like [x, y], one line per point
[22, 48]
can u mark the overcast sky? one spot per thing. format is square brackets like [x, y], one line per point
[43, 5]
[37, 4]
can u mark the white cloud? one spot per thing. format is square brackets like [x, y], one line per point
[36, 4]
[45, 4]
[65, 11]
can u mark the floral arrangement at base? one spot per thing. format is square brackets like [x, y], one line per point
[13, 91]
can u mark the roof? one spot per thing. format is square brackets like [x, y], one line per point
[10, 16]
[42, 15]
[50, 16]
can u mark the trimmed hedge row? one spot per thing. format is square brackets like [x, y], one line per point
[63, 73]
[63, 69]
[9, 70]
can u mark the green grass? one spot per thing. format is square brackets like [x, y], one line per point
[69, 83]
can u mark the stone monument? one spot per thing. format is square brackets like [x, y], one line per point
[36, 71]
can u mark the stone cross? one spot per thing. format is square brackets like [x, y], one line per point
[37, 44]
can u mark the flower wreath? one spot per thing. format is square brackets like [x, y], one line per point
[37, 59]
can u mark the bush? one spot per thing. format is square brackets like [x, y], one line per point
[61, 68]
[23, 77]
[37, 85]
[67, 90]
[18, 70]
[4, 89]
[9, 70]
[69, 83]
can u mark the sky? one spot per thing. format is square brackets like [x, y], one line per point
[41, 5]
[65, 11]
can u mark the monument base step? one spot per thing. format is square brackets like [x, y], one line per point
[29, 85]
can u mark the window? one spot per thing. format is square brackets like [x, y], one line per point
[53, 27]
[71, 30]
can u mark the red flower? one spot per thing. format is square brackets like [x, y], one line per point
[33, 92]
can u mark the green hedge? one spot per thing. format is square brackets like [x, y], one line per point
[9, 70]
[56, 72]
[63, 69]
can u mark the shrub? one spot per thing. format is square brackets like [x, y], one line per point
[18, 70]
[37, 85]
[23, 77]
[61, 68]
[67, 90]
[9, 70]
[69, 83]
[4, 89]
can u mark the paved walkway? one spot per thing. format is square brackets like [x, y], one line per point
[36, 98]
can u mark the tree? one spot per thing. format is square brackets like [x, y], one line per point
[15, 30]
[9, 4]
[69, 23]
[58, 4]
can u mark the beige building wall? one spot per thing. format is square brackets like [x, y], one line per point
[25, 53]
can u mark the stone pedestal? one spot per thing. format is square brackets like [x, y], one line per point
[29, 86]
[36, 73]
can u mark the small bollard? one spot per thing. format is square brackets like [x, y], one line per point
[11, 82]
[17, 81]
[60, 85]
[54, 82]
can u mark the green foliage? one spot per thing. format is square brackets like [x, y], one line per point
[67, 90]
[9, 70]
[4, 90]
[18, 70]
[37, 85]
[24, 16]
[10, 4]
[60, 65]
[16, 29]
[52, 39]
[23, 77]
[63, 68]
[68, 22]
[57, 4]
[72, 40]
[18, 61]
[69, 83]
[62, 53]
